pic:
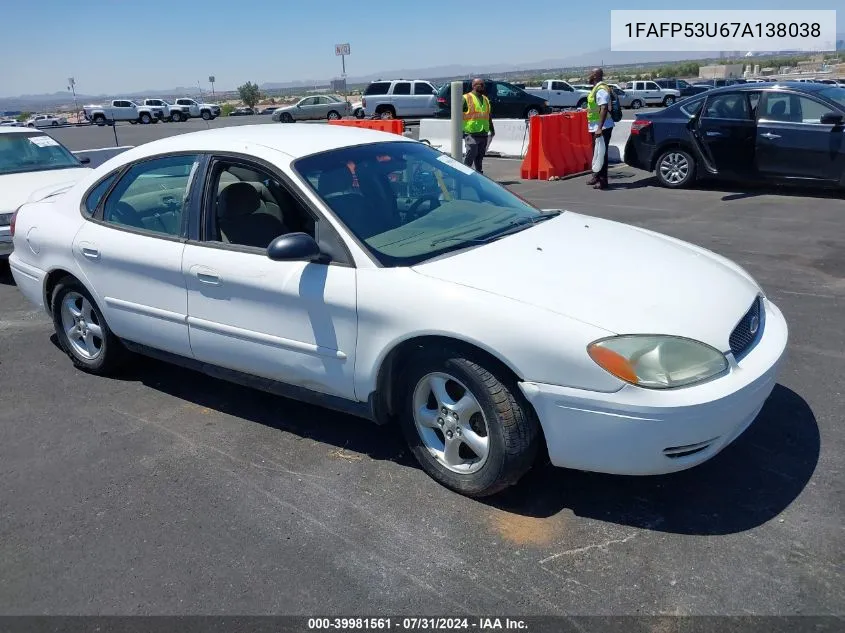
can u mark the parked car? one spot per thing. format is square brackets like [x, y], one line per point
[158, 105]
[267, 110]
[560, 94]
[358, 110]
[506, 100]
[185, 108]
[788, 132]
[11, 123]
[46, 120]
[314, 262]
[123, 110]
[648, 93]
[720, 83]
[400, 98]
[684, 88]
[314, 108]
[32, 167]
[243, 111]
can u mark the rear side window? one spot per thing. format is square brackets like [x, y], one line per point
[423, 88]
[97, 193]
[377, 88]
[691, 107]
[402, 88]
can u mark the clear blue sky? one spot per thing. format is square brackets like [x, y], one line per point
[115, 46]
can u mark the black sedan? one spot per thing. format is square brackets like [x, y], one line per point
[506, 100]
[786, 132]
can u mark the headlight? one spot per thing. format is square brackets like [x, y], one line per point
[657, 362]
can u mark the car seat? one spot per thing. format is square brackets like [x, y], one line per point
[243, 218]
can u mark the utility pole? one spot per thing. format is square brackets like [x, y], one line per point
[72, 87]
[211, 81]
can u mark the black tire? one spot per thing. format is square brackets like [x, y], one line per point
[513, 431]
[145, 118]
[176, 117]
[582, 103]
[99, 119]
[54, 123]
[112, 352]
[286, 117]
[669, 100]
[636, 104]
[386, 112]
[531, 111]
[675, 168]
[360, 114]
[333, 115]
[206, 115]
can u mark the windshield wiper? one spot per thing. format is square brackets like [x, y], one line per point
[514, 227]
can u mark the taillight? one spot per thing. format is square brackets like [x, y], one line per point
[441, 100]
[12, 223]
[639, 124]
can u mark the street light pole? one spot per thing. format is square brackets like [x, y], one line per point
[72, 86]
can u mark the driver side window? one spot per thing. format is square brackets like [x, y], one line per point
[152, 195]
[249, 206]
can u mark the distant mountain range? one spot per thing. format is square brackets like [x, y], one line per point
[604, 57]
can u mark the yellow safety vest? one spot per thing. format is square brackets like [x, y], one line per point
[477, 116]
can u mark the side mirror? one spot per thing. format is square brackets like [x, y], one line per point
[85, 160]
[832, 118]
[294, 247]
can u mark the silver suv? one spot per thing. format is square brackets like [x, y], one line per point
[399, 98]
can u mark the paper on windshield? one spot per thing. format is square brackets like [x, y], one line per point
[43, 141]
[448, 160]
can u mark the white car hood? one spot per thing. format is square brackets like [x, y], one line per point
[614, 276]
[16, 189]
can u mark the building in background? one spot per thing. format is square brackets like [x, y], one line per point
[720, 71]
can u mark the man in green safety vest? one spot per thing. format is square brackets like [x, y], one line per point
[478, 125]
[599, 122]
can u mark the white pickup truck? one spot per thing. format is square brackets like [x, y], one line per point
[122, 110]
[184, 109]
[560, 94]
[159, 104]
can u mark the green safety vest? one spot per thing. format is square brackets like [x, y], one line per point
[477, 116]
[593, 108]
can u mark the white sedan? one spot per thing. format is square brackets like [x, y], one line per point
[33, 165]
[372, 274]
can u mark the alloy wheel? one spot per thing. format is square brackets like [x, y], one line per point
[82, 326]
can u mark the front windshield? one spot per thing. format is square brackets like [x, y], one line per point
[33, 152]
[837, 95]
[407, 202]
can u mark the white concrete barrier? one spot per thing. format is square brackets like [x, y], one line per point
[621, 132]
[511, 140]
[101, 155]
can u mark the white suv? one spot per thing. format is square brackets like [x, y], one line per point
[400, 98]
[649, 93]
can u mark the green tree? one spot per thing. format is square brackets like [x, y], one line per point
[227, 109]
[250, 94]
[24, 116]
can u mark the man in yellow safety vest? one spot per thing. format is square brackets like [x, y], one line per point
[478, 125]
[599, 122]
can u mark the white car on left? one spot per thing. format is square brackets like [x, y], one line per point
[33, 166]
[46, 120]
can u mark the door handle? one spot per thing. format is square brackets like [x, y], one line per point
[90, 252]
[770, 136]
[209, 278]
[712, 133]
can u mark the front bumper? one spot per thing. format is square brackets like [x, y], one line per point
[636, 431]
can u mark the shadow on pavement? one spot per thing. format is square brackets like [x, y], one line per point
[749, 483]
[6, 278]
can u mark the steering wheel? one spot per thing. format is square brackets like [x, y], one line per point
[433, 198]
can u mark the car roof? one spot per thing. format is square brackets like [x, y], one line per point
[771, 85]
[294, 140]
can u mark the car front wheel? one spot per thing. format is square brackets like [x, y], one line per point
[82, 331]
[636, 104]
[675, 169]
[467, 425]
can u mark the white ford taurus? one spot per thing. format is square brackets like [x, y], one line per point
[372, 274]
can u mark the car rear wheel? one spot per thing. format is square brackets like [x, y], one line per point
[146, 118]
[176, 117]
[386, 112]
[636, 104]
[669, 100]
[333, 116]
[675, 169]
[82, 331]
[467, 424]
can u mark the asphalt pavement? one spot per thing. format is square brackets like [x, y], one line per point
[166, 492]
